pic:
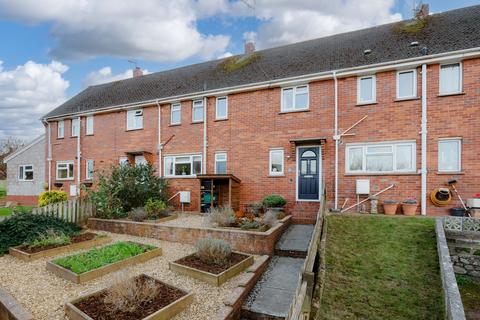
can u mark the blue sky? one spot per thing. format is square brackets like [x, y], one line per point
[51, 50]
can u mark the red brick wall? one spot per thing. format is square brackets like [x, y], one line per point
[255, 124]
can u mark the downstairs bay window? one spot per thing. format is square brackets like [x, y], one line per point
[182, 165]
[379, 158]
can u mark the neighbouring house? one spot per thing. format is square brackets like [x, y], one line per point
[274, 121]
[26, 172]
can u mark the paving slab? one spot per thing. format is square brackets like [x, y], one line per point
[296, 238]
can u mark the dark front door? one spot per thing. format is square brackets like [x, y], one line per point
[308, 173]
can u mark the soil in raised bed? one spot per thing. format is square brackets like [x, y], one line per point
[74, 239]
[95, 307]
[194, 262]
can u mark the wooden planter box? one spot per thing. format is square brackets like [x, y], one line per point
[96, 273]
[211, 278]
[165, 313]
[59, 250]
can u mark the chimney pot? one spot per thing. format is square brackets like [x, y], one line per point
[137, 72]
[249, 47]
[422, 11]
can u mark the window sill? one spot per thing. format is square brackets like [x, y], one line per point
[134, 129]
[63, 180]
[222, 119]
[406, 99]
[73, 136]
[451, 94]
[19, 180]
[362, 104]
[174, 124]
[383, 174]
[180, 177]
[196, 122]
[61, 138]
[294, 111]
[89, 135]
[276, 175]
[451, 173]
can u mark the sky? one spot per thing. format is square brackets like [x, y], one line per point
[51, 50]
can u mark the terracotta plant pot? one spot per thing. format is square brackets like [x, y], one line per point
[409, 209]
[390, 208]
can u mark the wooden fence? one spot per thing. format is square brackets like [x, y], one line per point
[76, 210]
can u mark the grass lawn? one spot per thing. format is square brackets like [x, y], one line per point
[8, 211]
[381, 268]
[3, 192]
[470, 292]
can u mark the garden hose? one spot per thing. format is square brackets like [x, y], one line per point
[440, 197]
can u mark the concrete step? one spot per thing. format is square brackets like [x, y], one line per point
[295, 241]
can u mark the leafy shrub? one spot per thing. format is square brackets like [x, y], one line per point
[221, 216]
[250, 225]
[270, 218]
[390, 201]
[24, 228]
[213, 251]
[50, 237]
[130, 295]
[53, 196]
[138, 214]
[155, 208]
[124, 187]
[274, 201]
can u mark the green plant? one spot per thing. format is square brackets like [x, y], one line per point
[50, 237]
[130, 295]
[274, 201]
[155, 208]
[50, 197]
[270, 218]
[235, 63]
[213, 251]
[410, 201]
[221, 216]
[390, 201]
[250, 225]
[24, 228]
[99, 257]
[138, 214]
[3, 192]
[22, 209]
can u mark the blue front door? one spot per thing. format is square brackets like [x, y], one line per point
[308, 173]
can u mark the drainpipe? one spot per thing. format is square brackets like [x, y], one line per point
[424, 141]
[49, 155]
[205, 142]
[79, 154]
[159, 144]
[336, 137]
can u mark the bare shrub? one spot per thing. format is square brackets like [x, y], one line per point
[221, 216]
[138, 214]
[270, 218]
[213, 251]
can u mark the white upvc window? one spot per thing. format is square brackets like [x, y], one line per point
[89, 169]
[221, 110]
[188, 165]
[123, 161]
[276, 162]
[60, 129]
[135, 119]
[450, 155]
[89, 126]
[295, 98]
[25, 172]
[65, 170]
[406, 84]
[75, 127]
[197, 111]
[176, 113]
[221, 163]
[451, 78]
[383, 157]
[366, 89]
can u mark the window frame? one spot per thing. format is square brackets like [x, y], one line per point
[226, 108]
[414, 93]
[294, 97]
[193, 111]
[123, 160]
[394, 145]
[459, 158]
[460, 80]
[374, 89]
[221, 153]
[133, 111]
[75, 121]
[24, 171]
[87, 172]
[276, 173]
[89, 123]
[61, 124]
[174, 156]
[67, 163]
[172, 106]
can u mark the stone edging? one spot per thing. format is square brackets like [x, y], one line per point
[453, 301]
[11, 309]
[233, 302]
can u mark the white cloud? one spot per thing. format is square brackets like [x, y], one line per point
[105, 75]
[27, 92]
[157, 30]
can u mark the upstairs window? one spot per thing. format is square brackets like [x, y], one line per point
[65, 170]
[221, 110]
[60, 129]
[89, 126]
[449, 155]
[450, 78]
[276, 162]
[406, 84]
[176, 113]
[366, 90]
[89, 169]
[135, 119]
[221, 163]
[197, 111]
[295, 98]
[182, 166]
[75, 127]
[25, 173]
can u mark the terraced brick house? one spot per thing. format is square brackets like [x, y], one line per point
[278, 120]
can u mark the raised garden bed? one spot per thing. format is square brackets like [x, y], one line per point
[213, 274]
[167, 302]
[95, 263]
[78, 242]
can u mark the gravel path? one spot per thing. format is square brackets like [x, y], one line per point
[44, 294]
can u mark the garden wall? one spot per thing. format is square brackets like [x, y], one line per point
[11, 309]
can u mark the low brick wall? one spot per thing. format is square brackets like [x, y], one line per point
[11, 309]
[240, 240]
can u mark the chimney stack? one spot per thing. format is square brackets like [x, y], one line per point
[249, 47]
[422, 11]
[137, 72]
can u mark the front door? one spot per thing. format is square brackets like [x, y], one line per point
[308, 173]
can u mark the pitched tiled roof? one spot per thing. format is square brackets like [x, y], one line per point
[444, 32]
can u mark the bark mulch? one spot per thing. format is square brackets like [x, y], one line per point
[194, 262]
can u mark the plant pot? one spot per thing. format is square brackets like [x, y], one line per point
[276, 209]
[409, 209]
[390, 208]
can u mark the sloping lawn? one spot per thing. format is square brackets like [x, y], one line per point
[381, 267]
[8, 211]
[470, 291]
